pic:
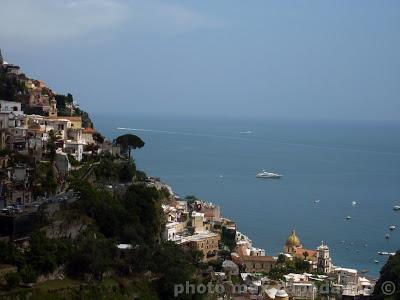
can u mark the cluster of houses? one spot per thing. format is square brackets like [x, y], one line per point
[27, 126]
[197, 225]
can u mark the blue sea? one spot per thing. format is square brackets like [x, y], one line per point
[334, 162]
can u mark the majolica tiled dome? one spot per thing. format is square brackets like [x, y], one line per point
[293, 240]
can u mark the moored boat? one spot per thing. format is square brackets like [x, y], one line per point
[265, 174]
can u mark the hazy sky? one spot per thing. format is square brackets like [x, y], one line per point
[326, 59]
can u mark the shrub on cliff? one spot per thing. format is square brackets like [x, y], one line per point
[389, 278]
[12, 279]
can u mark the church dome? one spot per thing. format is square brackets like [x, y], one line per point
[293, 240]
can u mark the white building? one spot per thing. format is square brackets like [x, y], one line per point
[74, 148]
[12, 114]
[302, 290]
[170, 233]
[324, 262]
[11, 107]
[58, 126]
[346, 276]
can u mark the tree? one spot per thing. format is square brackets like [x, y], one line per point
[12, 279]
[128, 142]
[98, 137]
[126, 172]
[92, 254]
[28, 275]
[42, 254]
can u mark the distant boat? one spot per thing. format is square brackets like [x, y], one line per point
[246, 132]
[392, 227]
[265, 174]
[387, 236]
[396, 207]
[317, 201]
[354, 203]
[385, 253]
[364, 271]
[376, 261]
[348, 218]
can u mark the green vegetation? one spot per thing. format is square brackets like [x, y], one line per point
[63, 104]
[12, 279]
[228, 238]
[98, 137]
[286, 266]
[45, 179]
[65, 108]
[113, 170]
[390, 273]
[127, 142]
[10, 87]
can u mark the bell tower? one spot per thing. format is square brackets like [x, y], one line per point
[324, 262]
[53, 108]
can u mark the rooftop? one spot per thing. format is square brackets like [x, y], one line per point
[259, 258]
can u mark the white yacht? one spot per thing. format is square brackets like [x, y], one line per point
[265, 174]
[396, 207]
[393, 227]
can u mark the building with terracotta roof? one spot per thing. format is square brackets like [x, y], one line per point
[294, 247]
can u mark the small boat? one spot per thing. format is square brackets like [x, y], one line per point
[265, 174]
[396, 207]
[391, 228]
[387, 236]
[376, 261]
[348, 218]
[317, 201]
[364, 271]
[354, 203]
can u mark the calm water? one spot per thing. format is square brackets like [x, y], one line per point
[335, 162]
